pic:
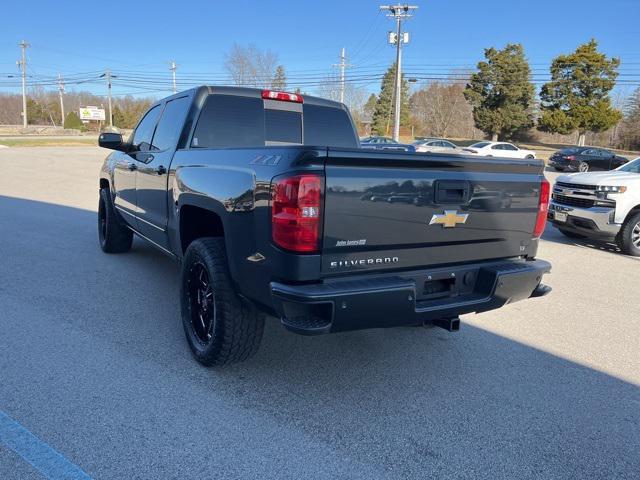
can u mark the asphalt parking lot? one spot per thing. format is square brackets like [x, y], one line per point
[94, 364]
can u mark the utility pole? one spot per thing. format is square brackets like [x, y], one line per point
[400, 13]
[173, 68]
[60, 92]
[342, 65]
[108, 76]
[22, 65]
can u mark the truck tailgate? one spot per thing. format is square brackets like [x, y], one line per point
[382, 209]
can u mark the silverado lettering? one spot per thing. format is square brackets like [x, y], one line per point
[363, 261]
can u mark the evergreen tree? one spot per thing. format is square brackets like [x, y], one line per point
[370, 106]
[279, 81]
[577, 97]
[501, 92]
[72, 120]
[383, 118]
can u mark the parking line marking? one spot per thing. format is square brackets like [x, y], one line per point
[37, 453]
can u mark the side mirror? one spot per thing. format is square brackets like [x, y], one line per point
[112, 141]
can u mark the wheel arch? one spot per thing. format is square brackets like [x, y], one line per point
[198, 218]
[634, 211]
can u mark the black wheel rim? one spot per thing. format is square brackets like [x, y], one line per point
[201, 302]
[102, 222]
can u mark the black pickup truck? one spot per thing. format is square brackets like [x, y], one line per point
[272, 208]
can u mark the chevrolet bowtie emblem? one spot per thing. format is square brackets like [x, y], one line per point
[449, 219]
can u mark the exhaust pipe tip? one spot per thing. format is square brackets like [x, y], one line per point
[449, 324]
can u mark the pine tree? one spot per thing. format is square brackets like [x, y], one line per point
[383, 117]
[577, 97]
[72, 120]
[501, 92]
[370, 106]
[279, 81]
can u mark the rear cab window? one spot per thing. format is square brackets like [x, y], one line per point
[235, 121]
[328, 127]
[230, 121]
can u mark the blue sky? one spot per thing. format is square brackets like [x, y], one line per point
[140, 37]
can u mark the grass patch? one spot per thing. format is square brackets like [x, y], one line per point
[48, 142]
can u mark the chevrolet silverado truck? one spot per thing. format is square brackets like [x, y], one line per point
[600, 205]
[266, 199]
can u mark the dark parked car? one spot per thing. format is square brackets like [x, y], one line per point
[259, 194]
[585, 159]
[385, 143]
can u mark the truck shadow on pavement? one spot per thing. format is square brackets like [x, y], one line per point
[413, 402]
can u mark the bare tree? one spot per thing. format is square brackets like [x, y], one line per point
[10, 109]
[251, 67]
[354, 96]
[439, 109]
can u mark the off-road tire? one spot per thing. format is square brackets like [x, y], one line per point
[113, 235]
[570, 234]
[628, 233]
[236, 327]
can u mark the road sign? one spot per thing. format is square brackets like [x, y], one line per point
[92, 113]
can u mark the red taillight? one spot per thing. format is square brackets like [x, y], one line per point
[571, 157]
[296, 212]
[543, 209]
[282, 96]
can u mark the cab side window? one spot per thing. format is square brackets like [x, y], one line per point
[144, 131]
[508, 146]
[170, 125]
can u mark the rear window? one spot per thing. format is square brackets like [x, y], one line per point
[230, 121]
[328, 127]
[569, 151]
[283, 126]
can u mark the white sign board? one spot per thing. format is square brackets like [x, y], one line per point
[92, 113]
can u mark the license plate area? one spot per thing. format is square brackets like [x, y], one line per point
[560, 217]
[439, 288]
[445, 283]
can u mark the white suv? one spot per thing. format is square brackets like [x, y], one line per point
[601, 205]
